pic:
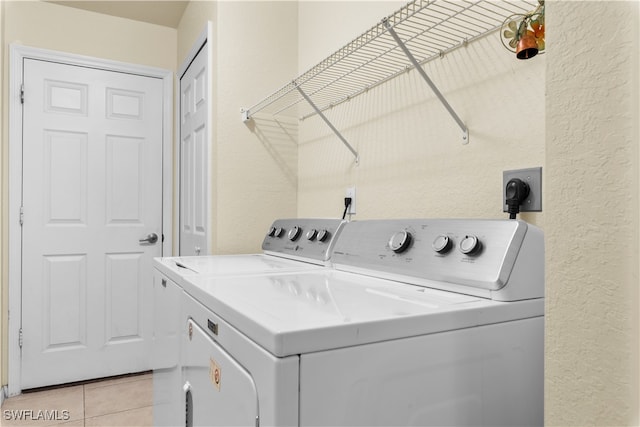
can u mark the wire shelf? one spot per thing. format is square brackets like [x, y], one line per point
[428, 28]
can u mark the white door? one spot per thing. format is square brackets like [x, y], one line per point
[92, 191]
[194, 157]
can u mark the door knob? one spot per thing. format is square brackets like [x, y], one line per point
[151, 239]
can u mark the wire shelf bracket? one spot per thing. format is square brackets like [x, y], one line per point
[425, 76]
[324, 118]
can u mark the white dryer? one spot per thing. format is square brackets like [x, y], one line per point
[421, 322]
[289, 245]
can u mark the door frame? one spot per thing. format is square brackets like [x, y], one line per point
[205, 36]
[16, 60]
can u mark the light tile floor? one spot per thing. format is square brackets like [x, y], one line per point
[123, 401]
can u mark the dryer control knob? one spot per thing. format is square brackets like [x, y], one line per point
[323, 235]
[400, 241]
[311, 234]
[294, 233]
[442, 244]
[470, 245]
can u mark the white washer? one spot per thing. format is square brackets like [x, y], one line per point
[422, 322]
[289, 245]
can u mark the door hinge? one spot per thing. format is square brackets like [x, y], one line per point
[22, 93]
[21, 215]
[20, 338]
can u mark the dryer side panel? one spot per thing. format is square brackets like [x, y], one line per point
[167, 403]
[483, 376]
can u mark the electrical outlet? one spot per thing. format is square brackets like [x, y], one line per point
[351, 192]
[533, 177]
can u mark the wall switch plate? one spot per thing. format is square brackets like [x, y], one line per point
[351, 192]
[533, 177]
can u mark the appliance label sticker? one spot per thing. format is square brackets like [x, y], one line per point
[214, 373]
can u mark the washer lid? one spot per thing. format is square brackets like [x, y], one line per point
[298, 313]
[177, 268]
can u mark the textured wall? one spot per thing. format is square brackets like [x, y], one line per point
[592, 213]
[50, 26]
[413, 163]
[255, 164]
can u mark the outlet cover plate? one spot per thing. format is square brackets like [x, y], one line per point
[533, 177]
[351, 192]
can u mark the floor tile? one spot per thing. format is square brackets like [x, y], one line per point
[122, 401]
[118, 397]
[134, 417]
[117, 380]
[44, 408]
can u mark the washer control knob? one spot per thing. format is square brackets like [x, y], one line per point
[311, 234]
[442, 244]
[278, 232]
[323, 235]
[272, 232]
[470, 245]
[294, 233]
[400, 241]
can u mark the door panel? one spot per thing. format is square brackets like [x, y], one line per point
[122, 297]
[194, 158]
[124, 183]
[220, 391]
[92, 189]
[65, 170]
[65, 298]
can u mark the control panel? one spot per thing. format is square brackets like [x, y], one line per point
[310, 238]
[478, 254]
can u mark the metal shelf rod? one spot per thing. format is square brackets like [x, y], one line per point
[416, 65]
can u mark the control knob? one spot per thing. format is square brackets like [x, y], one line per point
[470, 245]
[323, 235]
[400, 241]
[294, 233]
[272, 232]
[442, 244]
[278, 232]
[311, 234]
